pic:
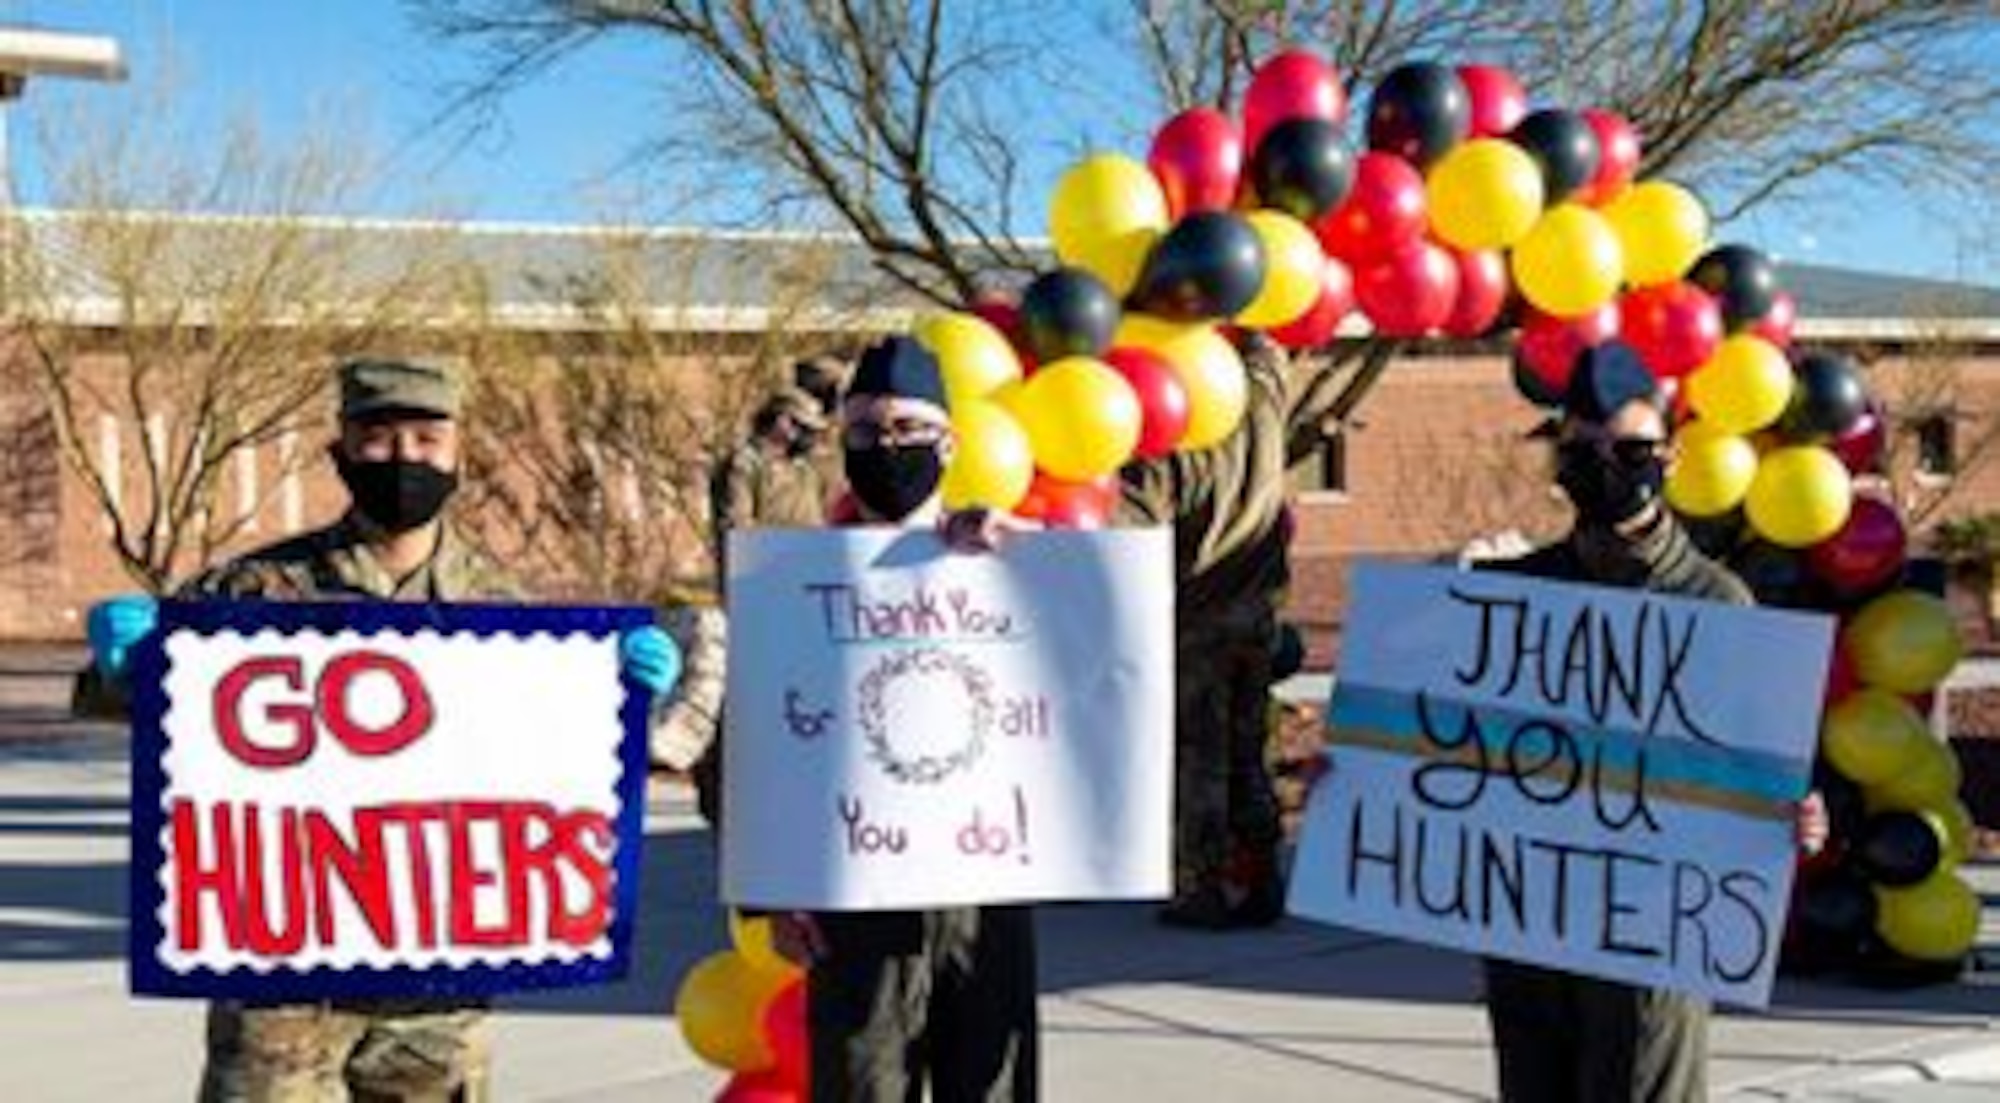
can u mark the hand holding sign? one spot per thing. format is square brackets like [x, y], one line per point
[651, 658]
[116, 626]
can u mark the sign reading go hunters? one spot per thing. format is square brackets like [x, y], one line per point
[383, 800]
[1597, 780]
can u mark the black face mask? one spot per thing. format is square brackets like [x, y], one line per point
[398, 495]
[801, 444]
[893, 482]
[1608, 489]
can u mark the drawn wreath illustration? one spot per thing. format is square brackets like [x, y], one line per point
[901, 763]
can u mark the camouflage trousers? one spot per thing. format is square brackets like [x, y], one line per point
[1226, 823]
[368, 1052]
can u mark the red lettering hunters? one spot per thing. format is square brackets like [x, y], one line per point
[430, 875]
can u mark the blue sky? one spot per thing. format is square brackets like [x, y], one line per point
[562, 150]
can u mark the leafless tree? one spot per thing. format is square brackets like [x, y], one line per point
[187, 294]
[589, 452]
[887, 115]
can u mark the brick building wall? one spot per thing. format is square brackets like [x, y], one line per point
[1436, 461]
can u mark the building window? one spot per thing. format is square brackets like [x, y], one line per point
[1937, 445]
[1325, 471]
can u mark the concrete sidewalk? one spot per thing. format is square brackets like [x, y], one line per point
[1297, 1013]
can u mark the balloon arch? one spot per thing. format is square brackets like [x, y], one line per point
[1467, 216]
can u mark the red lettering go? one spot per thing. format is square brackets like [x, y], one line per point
[329, 709]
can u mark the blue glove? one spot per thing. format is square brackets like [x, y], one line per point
[651, 658]
[115, 627]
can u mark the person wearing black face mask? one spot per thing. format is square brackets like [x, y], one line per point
[1562, 1037]
[901, 1001]
[398, 453]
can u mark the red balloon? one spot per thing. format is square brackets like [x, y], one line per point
[1675, 327]
[1861, 447]
[1066, 505]
[1618, 157]
[1866, 553]
[1498, 100]
[785, 1032]
[1482, 293]
[1841, 679]
[1776, 325]
[1294, 84]
[1163, 400]
[1198, 158]
[1411, 293]
[760, 1087]
[1549, 345]
[1385, 212]
[1317, 326]
[1002, 310]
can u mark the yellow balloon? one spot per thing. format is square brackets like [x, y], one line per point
[1743, 387]
[1082, 418]
[1871, 734]
[974, 358]
[1569, 262]
[993, 464]
[1293, 264]
[1712, 474]
[1904, 641]
[1928, 782]
[751, 935]
[1960, 831]
[1209, 370]
[1105, 215]
[1935, 919]
[1484, 194]
[720, 1007]
[1801, 495]
[1662, 228]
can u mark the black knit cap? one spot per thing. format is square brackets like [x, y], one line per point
[1608, 376]
[899, 367]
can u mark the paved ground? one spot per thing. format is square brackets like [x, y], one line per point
[1298, 1013]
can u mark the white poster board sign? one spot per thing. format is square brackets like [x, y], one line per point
[1591, 779]
[912, 727]
[356, 800]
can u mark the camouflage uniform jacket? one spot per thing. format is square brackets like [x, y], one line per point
[1224, 503]
[329, 564]
[754, 488]
[1663, 560]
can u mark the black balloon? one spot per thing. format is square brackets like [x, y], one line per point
[1418, 112]
[1564, 146]
[1302, 168]
[1899, 848]
[1210, 265]
[1532, 387]
[1743, 281]
[1778, 576]
[1068, 312]
[1846, 809]
[1832, 919]
[1828, 400]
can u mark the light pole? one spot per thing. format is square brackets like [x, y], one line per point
[26, 53]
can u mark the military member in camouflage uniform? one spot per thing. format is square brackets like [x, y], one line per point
[1561, 1037]
[1224, 503]
[1227, 504]
[774, 479]
[398, 453]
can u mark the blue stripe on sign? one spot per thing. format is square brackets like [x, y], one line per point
[1668, 759]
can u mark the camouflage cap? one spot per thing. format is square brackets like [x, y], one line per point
[802, 408]
[369, 387]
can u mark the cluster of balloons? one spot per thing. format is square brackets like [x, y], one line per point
[1886, 895]
[744, 1010]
